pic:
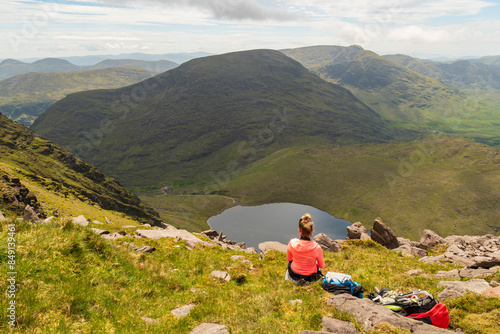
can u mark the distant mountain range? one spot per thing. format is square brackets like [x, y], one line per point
[25, 96]
[207, 113]
[11, 67]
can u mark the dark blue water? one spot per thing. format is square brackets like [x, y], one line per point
[274, 222]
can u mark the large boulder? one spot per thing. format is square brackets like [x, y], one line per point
[269, 245]
[80, 220]
[326, 243]
[30, 215]
[384, 235]
[357, 231]
[430, 239]
[172, 232]
[370, 314]
[476, 285]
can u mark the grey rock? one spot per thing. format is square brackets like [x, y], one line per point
[132, 245]
[432, 259]
[250, 250]
[338, 326]
[475, 285]
[430, 239]
[492, 292]
[211, 234]
[30, 215]
[98, 231]
[221, 274]
[97, 222]
[314, 332]
[2, 217]
[356, 230]
[149, 320]
[384, 235]
[410, 251]
[183, 311]
[107, 220]
[269, 245]
[206, 328]
[48, 220]
[112, 236]
[451, 274]
[326, 243]
[172, 232]
[237, 257]
[295, 301]
[80, 220]
[451, 292]
[369, 314]
[145, 249]
[414, 272]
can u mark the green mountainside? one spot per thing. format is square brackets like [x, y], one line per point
[206, 114]
[62, 183]
[459, 98]
[24, 97]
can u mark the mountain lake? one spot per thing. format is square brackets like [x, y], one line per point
[274, 222]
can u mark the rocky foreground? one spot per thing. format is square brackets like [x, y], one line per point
[478, 256]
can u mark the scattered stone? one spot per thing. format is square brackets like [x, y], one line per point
[172, 232]
[326, 243]
[149, 320]
[98, 231]
[48, 220]
[450, 274]
[430, 239]
[452, 292]
[338, 326]
[369, 314]
[221, 274]
[80, 220]
[30, 215]
[107, 220]
[268, 245]
[97, 222]
[145, 249]
[112, 236]
[384, 235]
[2, 217]
[237, 257]
[146, 225]
[476, 285]
[473, 251]
[295, 301]
[132, 245]
[410, 251]
[314, 332]
[432, 259]
[250, 250]
[183, 311]
[206, 328]
[356, 231]
[414, 272]
[492, 292]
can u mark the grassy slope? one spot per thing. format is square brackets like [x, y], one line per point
[70, 280]
[58, 177]
[447, 184]
[194, 119]
[24, 97]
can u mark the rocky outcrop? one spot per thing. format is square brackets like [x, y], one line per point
[221, 274]
[410, 248]
[221, 240]
[326, 243]
[357, 231]
[383, 235]
[430, 239]
[455, 289]
[29, 215]
[172, 232]
[369, 314]
[16, 196]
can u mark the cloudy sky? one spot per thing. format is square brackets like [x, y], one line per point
[421, 28]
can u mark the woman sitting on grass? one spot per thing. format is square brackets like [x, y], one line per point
[305, 256]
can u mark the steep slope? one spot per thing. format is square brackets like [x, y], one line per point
[58, 176]
[315, 57]
[207, 114]
[24, 97]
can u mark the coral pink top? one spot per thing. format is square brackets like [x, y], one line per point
[305, 256]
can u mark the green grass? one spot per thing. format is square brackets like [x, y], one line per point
[70, 280]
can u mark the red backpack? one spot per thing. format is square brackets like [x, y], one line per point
[437, 316]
